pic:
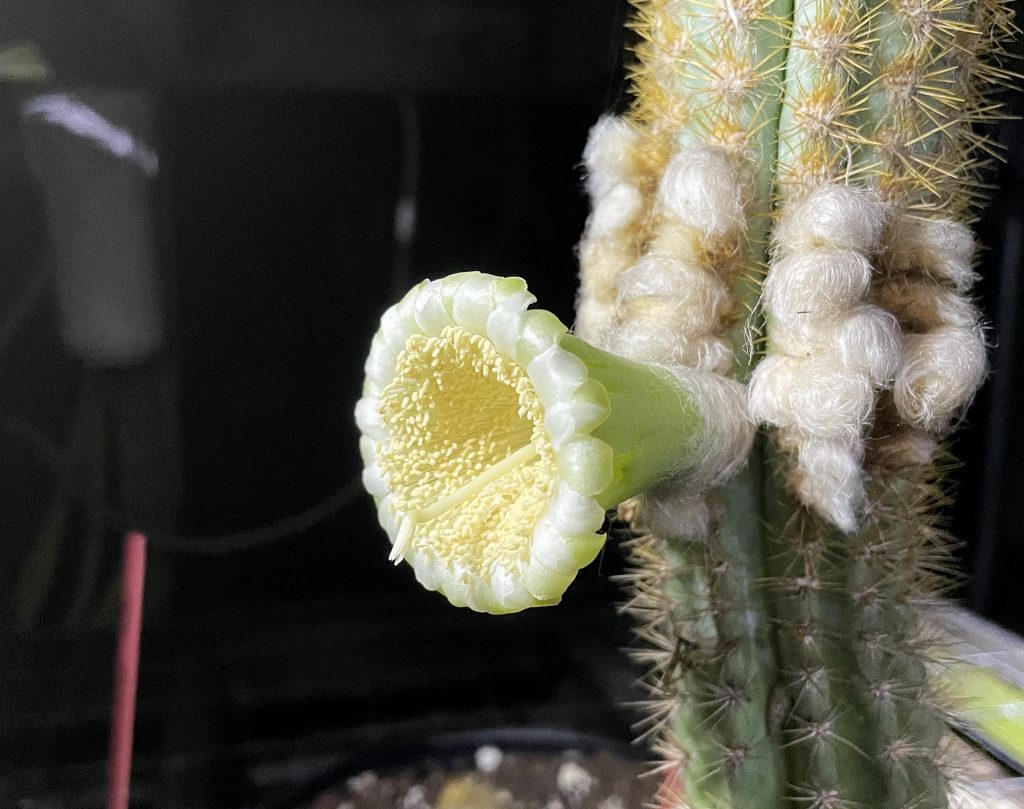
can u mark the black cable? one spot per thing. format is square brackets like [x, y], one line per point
[213, 545]
[248, 539]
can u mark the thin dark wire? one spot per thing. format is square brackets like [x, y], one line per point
[249, 539]
[213, 545]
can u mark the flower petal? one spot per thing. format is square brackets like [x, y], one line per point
[368, 419]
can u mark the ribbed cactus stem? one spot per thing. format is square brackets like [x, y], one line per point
[824, 729]
[930, 57]
[708, 83]
[828, 48]
[915, 111]
[826, 236]
[905, 723]
[750, 660]
[848, 599]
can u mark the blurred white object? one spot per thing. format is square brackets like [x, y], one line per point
[23, 62]
[1006, 793]
[89, 153]
[488, 758]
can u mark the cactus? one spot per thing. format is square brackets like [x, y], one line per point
[780, 234]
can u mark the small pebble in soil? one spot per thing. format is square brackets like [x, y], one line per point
[570, 780]
[488, 758]
[469, 792]
[415, 798]
[364, 782]
[574, 782]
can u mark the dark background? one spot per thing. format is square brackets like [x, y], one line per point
[287, 132]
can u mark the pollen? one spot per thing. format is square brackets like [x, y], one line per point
[467, 456]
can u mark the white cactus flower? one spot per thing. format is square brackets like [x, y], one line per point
[494, 441]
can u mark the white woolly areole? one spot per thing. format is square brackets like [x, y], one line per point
[815, 284]
[866, 339]
[813, 397]
[700, 189]
[610, 155]
[832, 217]
[829, 350]
[616, 210]
[650, 340]
[941, 371]
[921, 304]
[941, 249]
[699, 299]
[612, 235]
[831, 480]
[930, 270]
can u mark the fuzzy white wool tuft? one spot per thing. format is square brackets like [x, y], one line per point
[666, 277]
[700, 189]
[617, 210]
[942, 249]
[831, 479]
[837, 217]
[940, 373]
[829, 350]
[815, 284]
[665, 344]
[815, 397]
[610, 155]
[611, 239]
[929, 266]
[921, 304]
[868, 340]
[674, 293]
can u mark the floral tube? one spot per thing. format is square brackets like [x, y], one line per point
[494, 441]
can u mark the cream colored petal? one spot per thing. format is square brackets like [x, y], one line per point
[505, 323]
[431, 314]
[555, 374]
[368, 419]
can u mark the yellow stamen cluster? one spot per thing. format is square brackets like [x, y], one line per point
[466, 441]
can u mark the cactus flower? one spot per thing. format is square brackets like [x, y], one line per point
[494, 441]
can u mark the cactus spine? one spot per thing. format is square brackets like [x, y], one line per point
[779, 615]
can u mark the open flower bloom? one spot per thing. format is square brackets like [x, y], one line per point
[493, 441]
